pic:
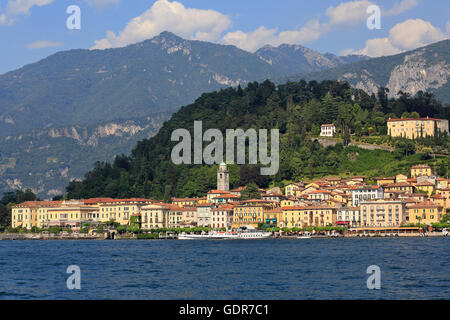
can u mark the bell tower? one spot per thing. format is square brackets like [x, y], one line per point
[223, 178]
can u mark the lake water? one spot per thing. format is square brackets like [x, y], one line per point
[411, 268]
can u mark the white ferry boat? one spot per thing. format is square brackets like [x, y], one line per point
[306, 235]
[242, 233]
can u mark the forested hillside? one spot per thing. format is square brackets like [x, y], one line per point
[297, 109]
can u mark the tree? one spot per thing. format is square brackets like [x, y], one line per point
[404, 147]
[5, 217]
[443, 170]
[330, 108]
[250, 192]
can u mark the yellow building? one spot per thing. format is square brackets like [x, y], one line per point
[426, 187]
[442, 183]
[250, 213]
[311, 216]
[185, 202]
[421, 170]
[292, 217]
[120, 210]
[425, 213]
[440, 200]
[70, 214]
[32, 214]
[292, 189]
[385, 180]
[400, 186]
[319, 195]
[44, 214]
[401, 178]
[272, 217]
[155, 216]
[415, 128]
[445, 192]
[189, 216]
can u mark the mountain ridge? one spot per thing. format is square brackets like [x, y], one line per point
[422, 69]
[87, 88]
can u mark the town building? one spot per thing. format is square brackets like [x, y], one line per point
[425, 213]
[309, 216]
[384, 180]
[185, 202]
[366, 193]
[155, 216]
[119, 210]
[401, 178]
[349, 216]
[416, 128]
[319, 195]
[250, 213]
[398, 186]
[32, 214]
[382, 213]
[421, 170]
[425, 187]
[222, 217]
[204, 214]
[70, 214]
[213, 195]
[272, 217]
[189, 217]
[327, 130]
[276, 197]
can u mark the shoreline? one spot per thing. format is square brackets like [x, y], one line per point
[31, 237]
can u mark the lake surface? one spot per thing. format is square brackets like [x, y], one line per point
[411, 268]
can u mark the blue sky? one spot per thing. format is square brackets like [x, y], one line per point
[33, 29]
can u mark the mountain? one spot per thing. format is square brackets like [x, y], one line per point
[52, 112]
[46, 160]
[83, 87]
[293, 59]
[297, 109]
[423, 69]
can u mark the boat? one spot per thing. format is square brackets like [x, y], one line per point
[211, 235]
[307, 235]
[252, 233]
[243, 233]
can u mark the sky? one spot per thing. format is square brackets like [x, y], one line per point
[31, 30]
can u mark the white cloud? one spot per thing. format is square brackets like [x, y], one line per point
[254, 40]
[18, 7]
[15, 8]
[209, 25]
[44, 44]
[400, 7]
[348, 13]
[3, 19]
[164, 15]
[378, 47]
[447, 27]
[101, 4]
[408, 35]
